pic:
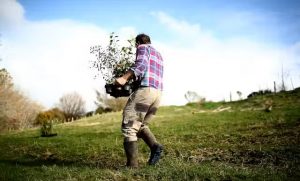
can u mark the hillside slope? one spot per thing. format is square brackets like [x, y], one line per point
[213, 141]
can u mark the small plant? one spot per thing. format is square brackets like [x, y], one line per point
[268, 105]
[47, 129]
[113, 61]
[45, 119]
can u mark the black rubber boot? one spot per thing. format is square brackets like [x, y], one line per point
[155, 147]
[131, 150]
[156, 152]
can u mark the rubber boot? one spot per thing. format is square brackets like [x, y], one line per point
[155, 147]
[131, 150]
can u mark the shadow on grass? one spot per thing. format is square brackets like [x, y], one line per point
[114, 165]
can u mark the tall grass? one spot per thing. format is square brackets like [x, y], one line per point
[202, 142]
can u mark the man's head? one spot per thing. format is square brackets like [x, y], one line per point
[142, 39]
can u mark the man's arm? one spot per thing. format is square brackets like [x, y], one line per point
[141, 62]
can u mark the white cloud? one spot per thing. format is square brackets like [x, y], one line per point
[214, 68]
[181, 27]
[11, 14]
[50, 58]
[246, 20]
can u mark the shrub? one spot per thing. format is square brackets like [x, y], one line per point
[46, 120]
[113, 61]
[58, 115]
[89, 114]
[101, 110]
[47, 129]
[260, 92]
[54, 115]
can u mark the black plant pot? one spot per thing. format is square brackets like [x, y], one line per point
[120, 91]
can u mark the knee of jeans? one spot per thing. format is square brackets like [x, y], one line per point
[131, 125]
[131, 129]
[129, 134]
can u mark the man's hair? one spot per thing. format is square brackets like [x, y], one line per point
[142, 39]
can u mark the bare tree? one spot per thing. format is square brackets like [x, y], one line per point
[284, 76]
[275, 91]
[192, 96]
[239, 93]
[6, 92]
[16, 110]
[0, 44]
[101, 99]
[73, 106]
[115, 104]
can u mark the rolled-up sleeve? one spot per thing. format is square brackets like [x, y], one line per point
[141, 62]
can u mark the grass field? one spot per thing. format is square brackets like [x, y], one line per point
[212, 141]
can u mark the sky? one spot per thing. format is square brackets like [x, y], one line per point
[214, 48]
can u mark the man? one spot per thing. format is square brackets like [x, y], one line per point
[143, 103]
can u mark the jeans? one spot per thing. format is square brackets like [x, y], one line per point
[140, 108]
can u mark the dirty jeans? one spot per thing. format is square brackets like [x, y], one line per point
[140, 108]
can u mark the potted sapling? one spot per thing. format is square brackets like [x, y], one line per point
[113, 61]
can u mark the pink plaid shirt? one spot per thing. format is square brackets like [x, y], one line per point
[148, 67]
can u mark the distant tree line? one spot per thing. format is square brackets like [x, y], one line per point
[260, 92]
[17, 111]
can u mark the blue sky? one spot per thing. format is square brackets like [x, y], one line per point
[214, 47]
[271, 20]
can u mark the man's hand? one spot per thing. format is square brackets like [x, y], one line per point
[120, 81]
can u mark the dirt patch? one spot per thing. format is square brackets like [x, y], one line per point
[286, 157]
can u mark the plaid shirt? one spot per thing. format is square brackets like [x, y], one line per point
[148, 67]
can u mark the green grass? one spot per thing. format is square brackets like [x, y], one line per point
[210, 141]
